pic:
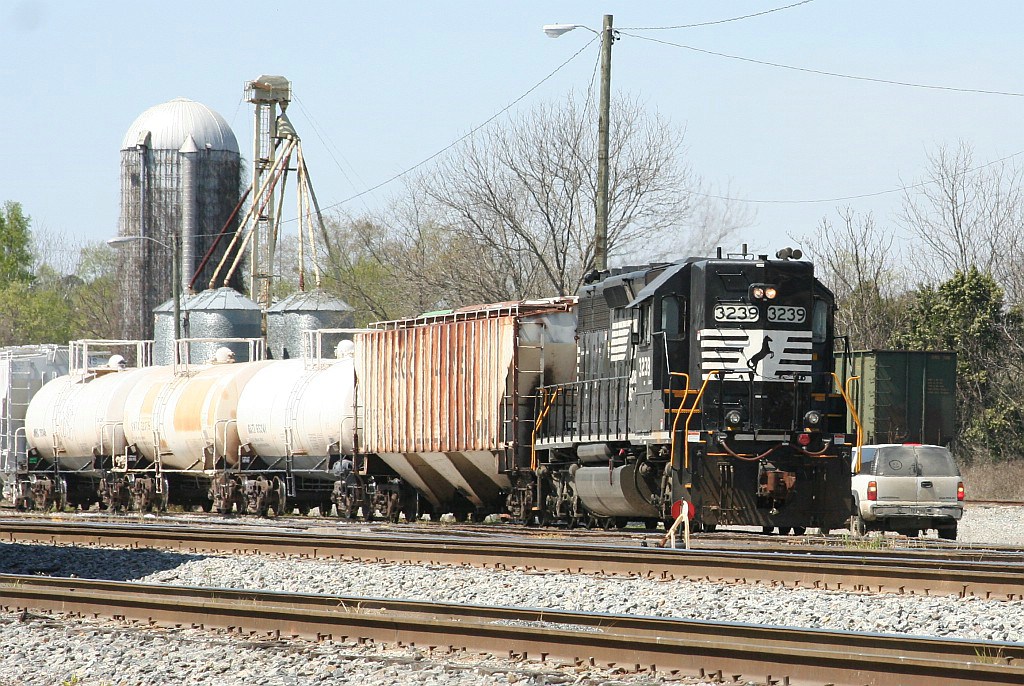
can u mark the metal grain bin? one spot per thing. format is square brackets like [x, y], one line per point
[308, 310]
[902, 396]
[448, 399]
[216, 313]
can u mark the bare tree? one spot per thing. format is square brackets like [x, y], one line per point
[521, 197]
[965, 216]
[859, 262]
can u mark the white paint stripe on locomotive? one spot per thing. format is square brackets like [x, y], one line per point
[618, 345]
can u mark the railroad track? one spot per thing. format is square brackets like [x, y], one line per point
[985, 574]
[727, 651]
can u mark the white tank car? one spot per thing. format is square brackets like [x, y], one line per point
[193, 417]
[73, 419]
[292, 409]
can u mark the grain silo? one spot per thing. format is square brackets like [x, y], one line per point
[180, 176]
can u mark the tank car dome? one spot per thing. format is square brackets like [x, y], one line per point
[170, 124]
[345, 349]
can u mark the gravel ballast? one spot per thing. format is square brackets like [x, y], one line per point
[107, 653]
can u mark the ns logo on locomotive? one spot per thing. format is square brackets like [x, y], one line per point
[709, 380]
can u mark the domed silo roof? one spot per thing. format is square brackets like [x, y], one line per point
[306, 310]
[169, 125]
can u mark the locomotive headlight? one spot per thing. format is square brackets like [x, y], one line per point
[733, 418]
[762, 291]
[812, 419]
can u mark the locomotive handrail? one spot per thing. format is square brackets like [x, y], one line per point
[853, 413]
[679, 410]
[545, 410]
[696, 403]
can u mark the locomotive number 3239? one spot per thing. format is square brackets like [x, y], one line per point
[781, 313]
[737, 313]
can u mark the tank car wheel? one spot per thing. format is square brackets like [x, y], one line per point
[305, 509]
[164, 497]
[61, 497]
[621, 522]
[281, 504]
[706, 528]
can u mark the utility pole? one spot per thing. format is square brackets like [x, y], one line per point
[601, 223]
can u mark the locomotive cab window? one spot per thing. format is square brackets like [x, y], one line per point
[819, 321]
[673, 316]
[642, 333]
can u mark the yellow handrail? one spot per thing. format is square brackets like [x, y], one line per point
[686, 428]
[545, 409]
[853, 413]
[679, 410]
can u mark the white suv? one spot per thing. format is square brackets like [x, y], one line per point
[906, 488]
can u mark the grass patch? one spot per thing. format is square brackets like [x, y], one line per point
[994, 480]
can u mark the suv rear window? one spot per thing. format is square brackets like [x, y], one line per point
[915, 460]
[935, 461]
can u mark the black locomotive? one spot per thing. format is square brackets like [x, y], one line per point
[709, 381]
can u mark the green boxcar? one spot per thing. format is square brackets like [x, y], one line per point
[902, 396]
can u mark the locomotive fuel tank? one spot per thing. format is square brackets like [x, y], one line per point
[614, 492]
[74, 419]
[293, 409]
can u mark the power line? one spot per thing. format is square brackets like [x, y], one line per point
[860, 196]
[468, 134]
[718, 21]
[822, 72]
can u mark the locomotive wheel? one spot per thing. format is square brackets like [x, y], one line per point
[768, 530]
[799, 530]
[305, 509]
[325, 508]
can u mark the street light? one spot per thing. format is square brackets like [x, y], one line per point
[601, 201]
[175, 248]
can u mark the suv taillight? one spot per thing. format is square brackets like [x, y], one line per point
[872, 490]
[960, 491]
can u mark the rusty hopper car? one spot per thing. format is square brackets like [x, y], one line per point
[448, 399]
[709, 380]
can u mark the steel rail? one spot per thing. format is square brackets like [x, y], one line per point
[871, 571]
[765, 654]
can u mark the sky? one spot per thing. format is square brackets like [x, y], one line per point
[381, 86]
